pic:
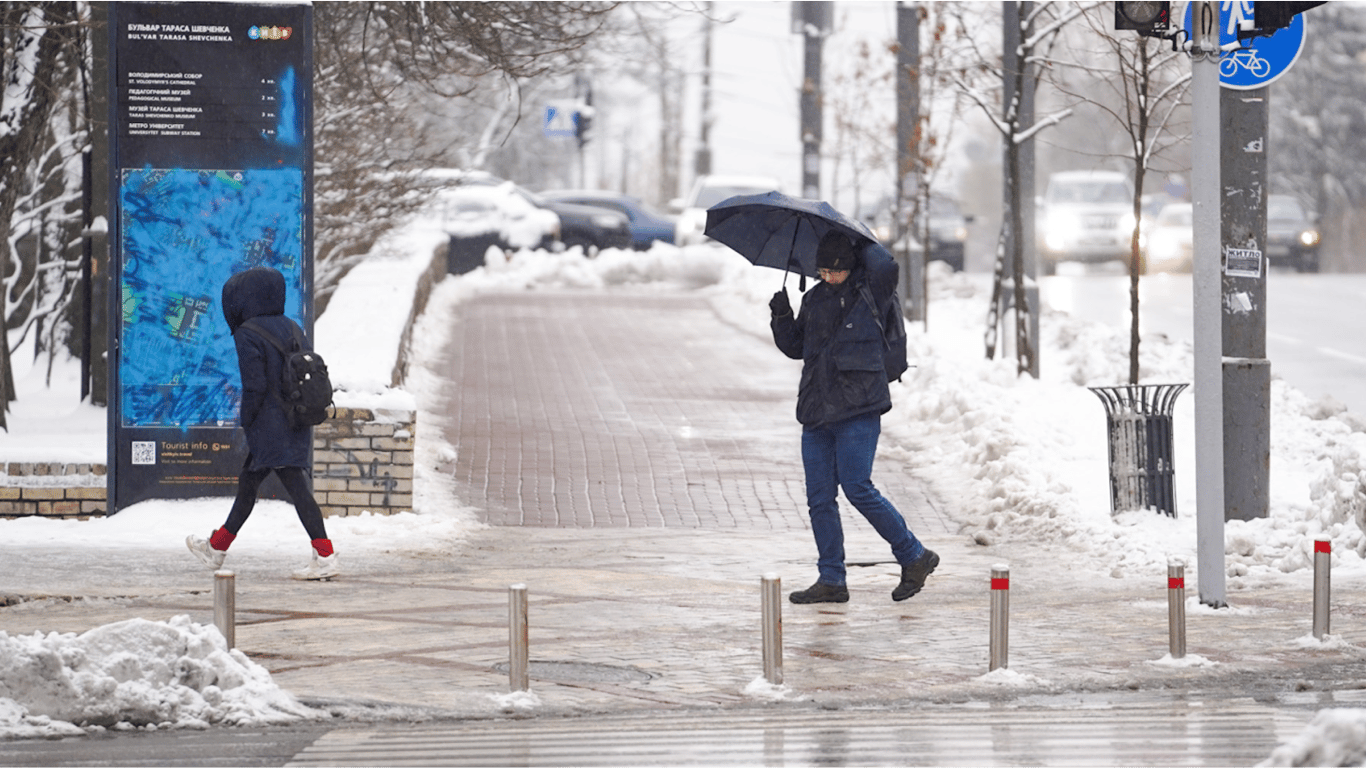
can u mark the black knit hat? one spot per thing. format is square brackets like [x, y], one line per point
[835, 252]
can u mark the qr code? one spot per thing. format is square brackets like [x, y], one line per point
[144, 452]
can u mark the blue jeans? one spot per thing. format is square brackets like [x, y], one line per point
[840, 455]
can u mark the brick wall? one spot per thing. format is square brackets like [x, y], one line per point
[52, 490]
[362, 462]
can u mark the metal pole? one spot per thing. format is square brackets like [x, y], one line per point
[773, 628]
[907, 154]
[1176, 609]
[225, 605]
[1000, 616]
[1207, 297]
[518, 658]
[1323, 567]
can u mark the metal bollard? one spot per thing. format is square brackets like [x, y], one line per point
[225, 605]
[1176, 609]
[1323, 567]
[518, 658]
[1000, 616]
[773, 628]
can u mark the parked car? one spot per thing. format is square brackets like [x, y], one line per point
[948, 229]
[1085, 216]
[647, 224]
[590, 228]
[478, 216]
[1292, 234]
[1169, 242]
[708, 191]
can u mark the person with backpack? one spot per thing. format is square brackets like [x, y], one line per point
[841, 338]
[278, 440]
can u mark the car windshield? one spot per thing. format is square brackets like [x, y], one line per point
[1284, 208]
[1090, 192]
[709, 196]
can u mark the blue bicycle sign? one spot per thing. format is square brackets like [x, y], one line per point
[1260, 60]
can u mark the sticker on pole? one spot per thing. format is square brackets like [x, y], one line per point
[1243, 262]
[1261, 60]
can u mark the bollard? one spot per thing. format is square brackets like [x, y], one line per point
[518, 658]
[225, 605]
[772, 589]
[1176, 609]
[1000, 616]
[1323, 566]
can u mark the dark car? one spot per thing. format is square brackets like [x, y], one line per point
[1292, 235]
[647, 224]
[947, 224]
[590, 228]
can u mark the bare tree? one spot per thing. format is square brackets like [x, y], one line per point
[1040, 25]
[1140, 83]
[379, 66]
[39, 39]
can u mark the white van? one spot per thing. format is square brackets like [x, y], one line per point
[708, 191]
[1086, 216]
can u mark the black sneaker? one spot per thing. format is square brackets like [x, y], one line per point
[820, 592]
[913, 576]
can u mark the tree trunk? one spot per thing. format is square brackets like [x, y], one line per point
[34, 34]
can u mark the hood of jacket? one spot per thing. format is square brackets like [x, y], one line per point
[256, 292]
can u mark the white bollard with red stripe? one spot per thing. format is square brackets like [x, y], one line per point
[1000, 616]
[1176, 608]
[1323, 566]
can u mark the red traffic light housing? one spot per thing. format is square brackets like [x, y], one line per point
[1146, 18]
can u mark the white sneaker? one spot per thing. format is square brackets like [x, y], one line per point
[319, 568]
[207, 554]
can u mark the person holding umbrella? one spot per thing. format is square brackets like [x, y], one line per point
[840, 401]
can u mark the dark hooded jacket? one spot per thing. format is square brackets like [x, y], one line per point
[837, 338]
[260, 293]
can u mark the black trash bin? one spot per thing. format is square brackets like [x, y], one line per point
[1138, 419]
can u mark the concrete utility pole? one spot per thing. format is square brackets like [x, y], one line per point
[811, 20]
[1012, 38]
[1244, 125]
[1206, 298]
[702, 159]
[907, 156]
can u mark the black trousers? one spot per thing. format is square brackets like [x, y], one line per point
[295, 480]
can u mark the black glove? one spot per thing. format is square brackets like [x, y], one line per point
[779, 304]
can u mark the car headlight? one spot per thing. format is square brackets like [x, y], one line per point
[1058, 227]
[1309, 238]
[960, 234]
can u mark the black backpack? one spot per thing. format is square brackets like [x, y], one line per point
[893, 328]
[304, 389]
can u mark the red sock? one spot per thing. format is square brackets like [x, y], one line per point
[323, 546]
[221, 539]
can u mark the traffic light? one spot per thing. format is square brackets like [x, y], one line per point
[1269, 17]
[1145, 18]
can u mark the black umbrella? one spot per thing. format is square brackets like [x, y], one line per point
[775, 230]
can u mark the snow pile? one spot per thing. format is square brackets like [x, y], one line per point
[134, 673]
[1334, 737]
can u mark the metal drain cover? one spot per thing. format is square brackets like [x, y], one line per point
[580, 672]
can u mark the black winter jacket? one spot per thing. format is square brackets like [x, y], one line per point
[260, 293]
[837, 337]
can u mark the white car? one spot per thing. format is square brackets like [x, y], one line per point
[1087, 216]
[708, 191]
[1169, 245]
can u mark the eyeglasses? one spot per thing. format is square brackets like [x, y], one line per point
[828, 272]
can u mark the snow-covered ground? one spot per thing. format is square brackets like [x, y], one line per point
[1016, 459]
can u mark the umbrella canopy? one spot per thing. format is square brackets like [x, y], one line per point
[775, 230]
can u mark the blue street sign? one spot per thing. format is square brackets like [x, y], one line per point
[1262, 59]
[561, 122]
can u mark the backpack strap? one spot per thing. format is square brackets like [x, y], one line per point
[297, 333]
